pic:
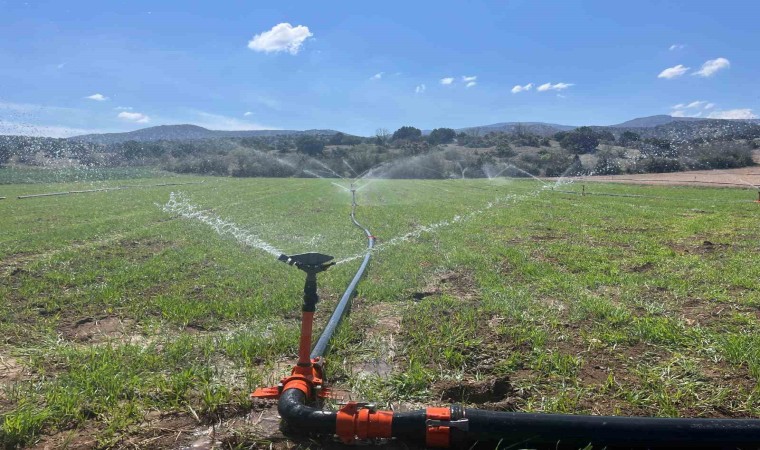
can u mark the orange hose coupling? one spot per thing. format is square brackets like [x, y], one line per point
[438, 435]
[362, 421]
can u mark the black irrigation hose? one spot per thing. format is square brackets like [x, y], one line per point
[323, 343]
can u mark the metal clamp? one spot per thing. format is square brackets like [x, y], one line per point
[460, 424]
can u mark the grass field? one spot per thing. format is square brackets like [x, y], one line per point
[124, 324]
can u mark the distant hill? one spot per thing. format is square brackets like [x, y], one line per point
[654, 121]
[540, 128]
[186, 132]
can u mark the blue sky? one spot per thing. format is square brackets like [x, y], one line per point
[70, 67]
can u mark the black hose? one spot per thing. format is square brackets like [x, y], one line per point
[575, 430]
[323, 343]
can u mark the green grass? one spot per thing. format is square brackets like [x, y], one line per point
[36, 175]
[585, 304]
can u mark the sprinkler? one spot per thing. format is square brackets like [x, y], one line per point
[758, 197]
[308, 371]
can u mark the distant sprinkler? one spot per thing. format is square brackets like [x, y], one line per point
[758, 197]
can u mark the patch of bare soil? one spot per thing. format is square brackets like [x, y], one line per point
[92, 330]
[741, 177]
[457, 283]
[491, 393]
[10, 369]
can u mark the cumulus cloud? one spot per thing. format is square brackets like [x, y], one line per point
[283, 37]
[710, 106]
[135, 117]
[518, 88]
[123, 108]
[685, 114]
[247, 113]
[696, 104]
[467, 79]
[471, 84]
[711, 66]
[219, 122]
[553, 87]
[676, 47]
[679, 106]
[744, 113]
[377, 76]
[447, 81]
[420, 89]
[673, 72]
[97, 97]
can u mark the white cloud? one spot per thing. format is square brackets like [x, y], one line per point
[133, 117]
[447, 81]
[123, 108]
[673, 72]
[471, 84]
[467, 79]
[553, 87]
[420, 89]
[744, 113]
[519, 88]
[697, 104]
[220, 122]
[283, 37]
[676, 47]
[97, 97]
[377, 76]
[711, 66]
[247, 113]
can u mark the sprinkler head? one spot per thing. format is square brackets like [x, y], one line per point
[308, 262]
[312, 264]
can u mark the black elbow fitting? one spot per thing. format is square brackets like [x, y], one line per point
[302, 418]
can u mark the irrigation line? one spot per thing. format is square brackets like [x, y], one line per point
[322, 345]
[117, 188]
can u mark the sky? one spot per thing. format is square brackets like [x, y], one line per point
[74, 67]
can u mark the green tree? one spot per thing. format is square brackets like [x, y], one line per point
[628, 138]
[441, 136]
[407, 133]
[581, 140]
[504, 150]
[310, 145]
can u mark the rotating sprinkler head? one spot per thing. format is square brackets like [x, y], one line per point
[308, 262]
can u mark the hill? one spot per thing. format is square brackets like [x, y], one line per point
[654, 121]
[540, 128]
[185, 133]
